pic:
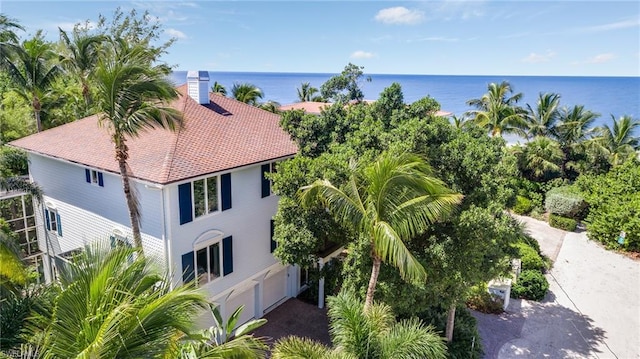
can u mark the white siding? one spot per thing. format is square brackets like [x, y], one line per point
[248, 221]
[275, 290]
[89, 212]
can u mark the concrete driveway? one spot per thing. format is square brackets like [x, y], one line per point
[592, 309]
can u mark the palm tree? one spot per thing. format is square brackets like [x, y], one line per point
[12, 268]
[271, 106]
[131, 95]
[541, 157]
[541, 120]
[388, 202]
[247, 93]
[223, 341]
[497, 111]
[7, 29]
[573, 133]
[219, 88]
[113, 304]
[365, 334]
[306, 93]
[619, 142]
[80, 56]
[32, 68]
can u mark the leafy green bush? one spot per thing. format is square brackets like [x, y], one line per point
[523, 205]
[531, 284]
[567, 224]
[614, 205]
[481, 300]
[466, 341]
[530, 258]
[565, 201]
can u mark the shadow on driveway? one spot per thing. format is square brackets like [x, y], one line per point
[295, 317]
[539, 330]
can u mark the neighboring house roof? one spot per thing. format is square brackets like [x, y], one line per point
[218, 136]
[308, 106]
[316, 107]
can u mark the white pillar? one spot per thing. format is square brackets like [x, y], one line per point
[320, 285]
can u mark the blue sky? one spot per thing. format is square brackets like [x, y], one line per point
[548, 38]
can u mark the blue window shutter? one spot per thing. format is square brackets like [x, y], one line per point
[46, 219]
[226, 191]
[266, 185]
[184, 200]
[113, 241]
[227, 255]
[59, 224]
[87, 175]
[187, 267]
[100, 181]
[274, 244]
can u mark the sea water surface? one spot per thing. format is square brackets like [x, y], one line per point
[607, 96]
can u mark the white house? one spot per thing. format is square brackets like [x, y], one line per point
[204, 201]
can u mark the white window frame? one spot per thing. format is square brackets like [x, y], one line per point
[94, 177]
[206, 195]
[53, 222]
[208, 269]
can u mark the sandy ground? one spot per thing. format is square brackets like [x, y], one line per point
[592, 309]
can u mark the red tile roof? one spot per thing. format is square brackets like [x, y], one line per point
[308, 106]
[222, 135]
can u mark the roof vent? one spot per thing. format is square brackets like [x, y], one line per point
[198, 86]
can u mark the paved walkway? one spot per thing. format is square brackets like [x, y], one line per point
[592, 309]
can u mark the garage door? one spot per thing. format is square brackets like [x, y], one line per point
[275, 288]
[246, 298]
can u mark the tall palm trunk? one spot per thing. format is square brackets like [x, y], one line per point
[375, 271]
[132, 203]
[36, 111]
[451, 317]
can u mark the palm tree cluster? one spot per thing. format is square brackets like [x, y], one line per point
[561, 141]
[365, 334]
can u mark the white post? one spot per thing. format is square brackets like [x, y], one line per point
[320, 286]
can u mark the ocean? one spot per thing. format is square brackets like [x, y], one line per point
[606, 96]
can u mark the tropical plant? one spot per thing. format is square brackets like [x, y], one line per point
[219, 88]
[114, 304]
[247, 93]
[224, 340]
[271, 106]
[388, 202]
[80, 56]
[7, 29]
[541, 120]
[365, 334]
[12, 270]
[345, 87]
[497, 111]
[541, 158]
[619, 142]
[306, 93]
[32, 68]
[132, 95]
[573, 132]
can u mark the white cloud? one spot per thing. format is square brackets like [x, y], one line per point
[362, 55]
[601, 59]
[399, 15]
[614, 26]
[175, 33]
[535, 58]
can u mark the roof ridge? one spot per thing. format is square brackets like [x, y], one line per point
[167, 164]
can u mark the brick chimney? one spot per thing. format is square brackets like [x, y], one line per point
[198, 86]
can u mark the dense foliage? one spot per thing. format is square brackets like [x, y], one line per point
[614, 205]
[565, 201]
[531, 284]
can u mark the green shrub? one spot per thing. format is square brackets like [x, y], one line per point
[531, 285]
[530, 258]
[466, 341]
[565, 201]
[481, 300]
[567, 224]
[523, 205]
[614, 205]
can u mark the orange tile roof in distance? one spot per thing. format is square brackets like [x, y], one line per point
[222, 135]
